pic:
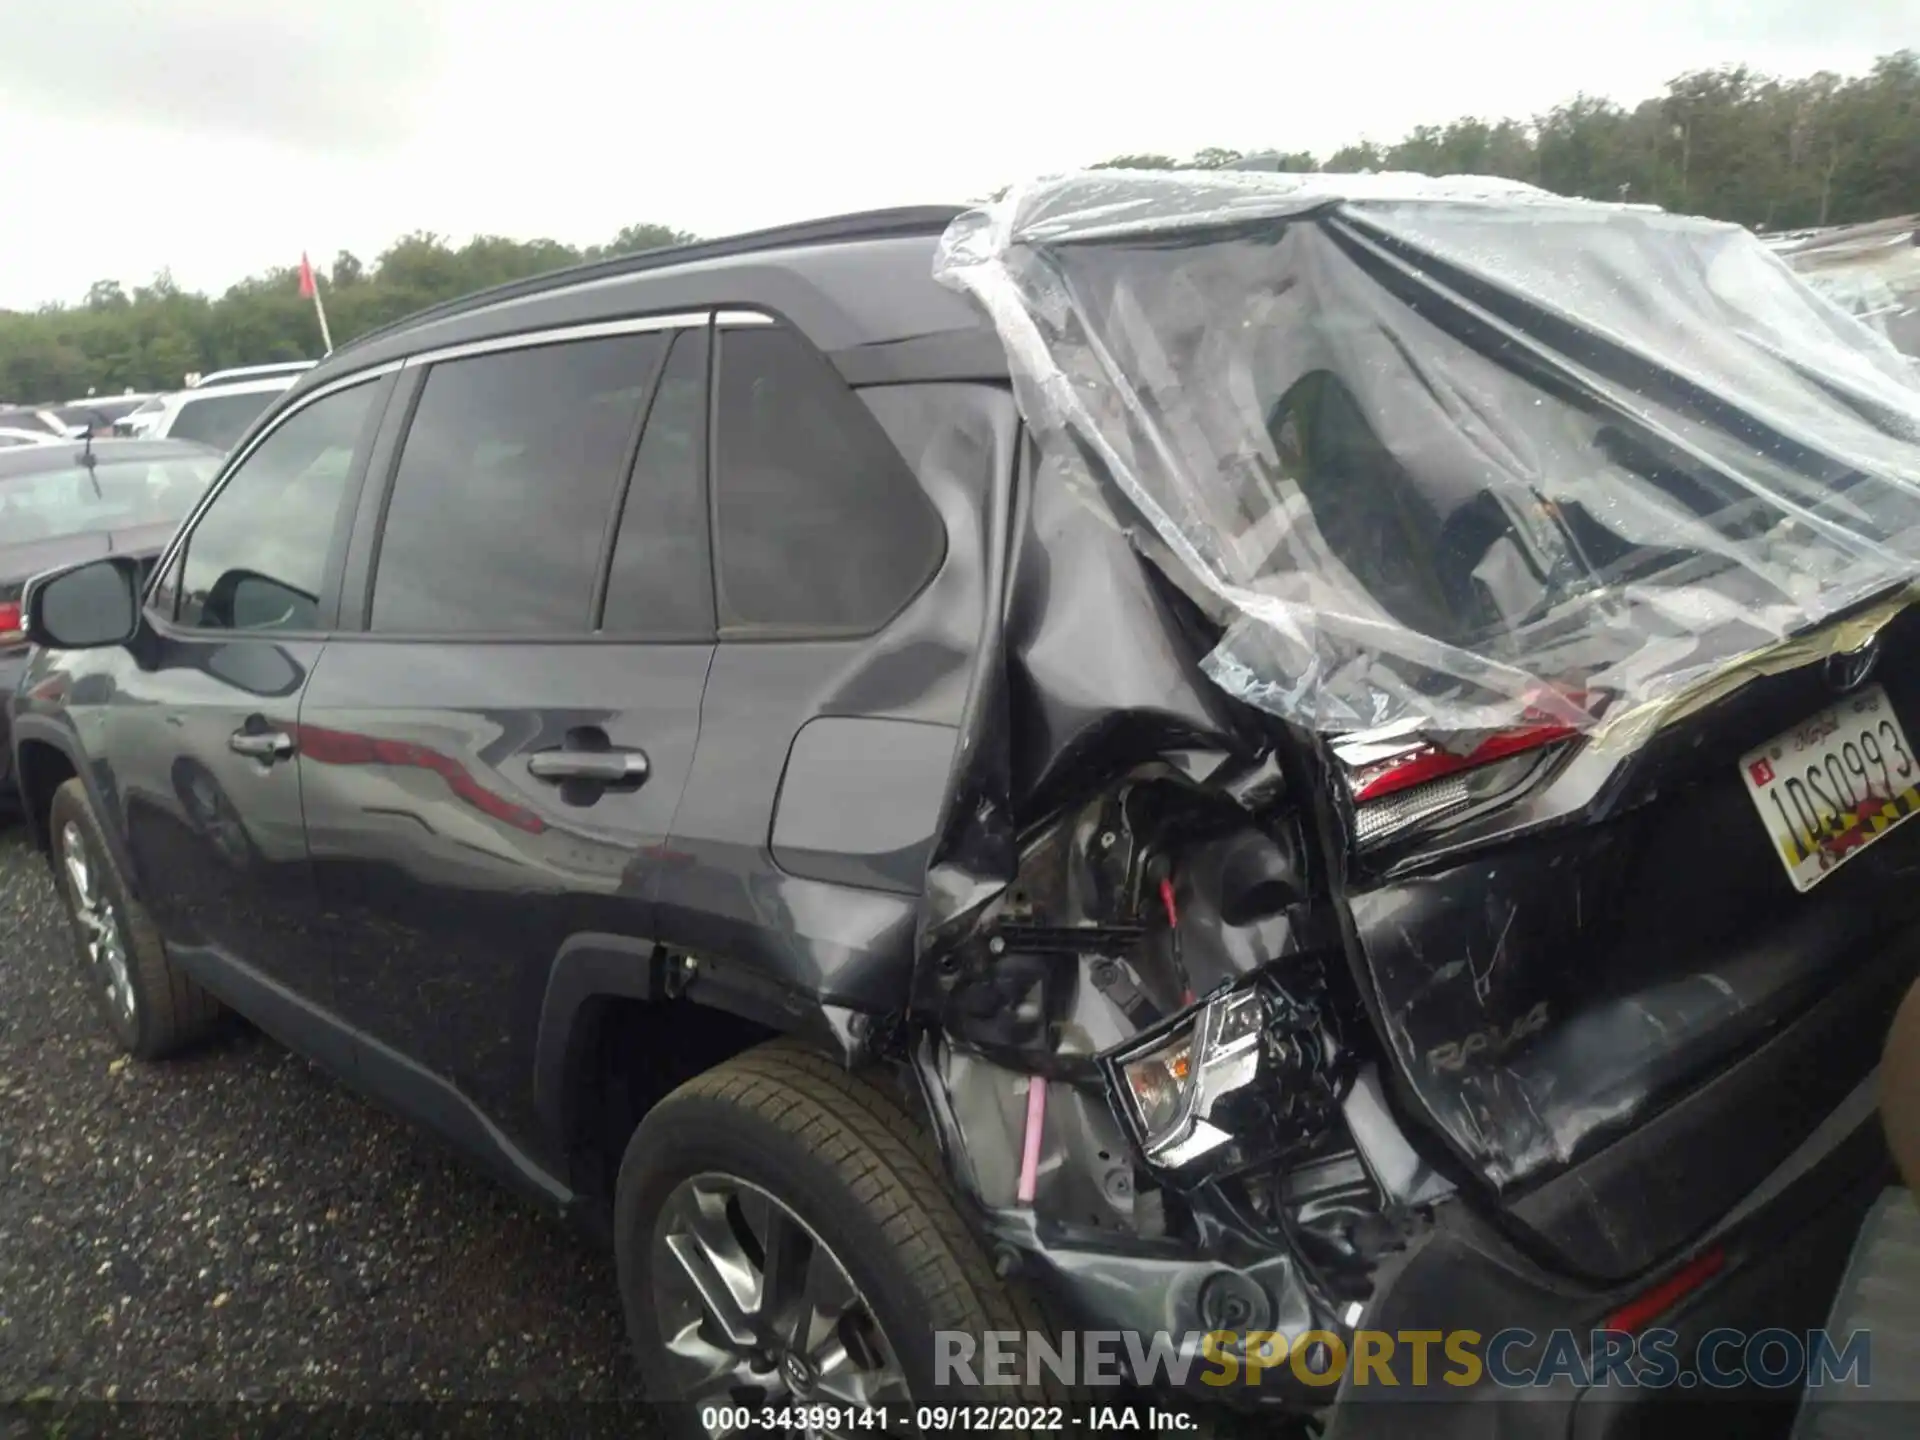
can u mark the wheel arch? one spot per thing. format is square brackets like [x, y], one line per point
[624, 1021]
[46, 756]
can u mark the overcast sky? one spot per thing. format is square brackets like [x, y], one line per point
[221, 137]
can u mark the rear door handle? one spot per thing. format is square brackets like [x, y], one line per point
[603, 767]
[261, 744]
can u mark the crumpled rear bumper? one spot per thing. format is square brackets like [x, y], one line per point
[1459, 1281]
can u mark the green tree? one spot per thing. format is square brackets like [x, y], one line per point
[1726, 142]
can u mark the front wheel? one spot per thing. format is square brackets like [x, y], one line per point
[784, 1239]
[152, 1009]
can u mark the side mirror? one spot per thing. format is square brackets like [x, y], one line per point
[85, 606]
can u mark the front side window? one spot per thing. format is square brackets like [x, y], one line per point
[505, 487]
[256, 557]
[820, 527]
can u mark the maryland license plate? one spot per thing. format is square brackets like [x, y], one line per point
[1833, 785]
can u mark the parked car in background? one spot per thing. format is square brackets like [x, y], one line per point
[215, 415]
[1870, 270]
[35, 417]
[65, 501]
[151, 414]
[10, 437]
[98, 415]
[273, 371]
[1263, 759]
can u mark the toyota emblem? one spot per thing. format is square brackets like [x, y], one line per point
[1849, 669]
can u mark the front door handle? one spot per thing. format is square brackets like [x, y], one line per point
[600, 767]
[261, 744]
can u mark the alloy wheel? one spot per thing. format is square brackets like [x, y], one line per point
[756, 1310]
[102, 936]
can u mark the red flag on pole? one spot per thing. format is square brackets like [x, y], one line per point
[310, 290]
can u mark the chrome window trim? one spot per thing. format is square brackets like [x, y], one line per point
[743, 317]
[531, 339]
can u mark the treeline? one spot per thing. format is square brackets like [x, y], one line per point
[1764, 152]
[152, 338]
[1767, 153]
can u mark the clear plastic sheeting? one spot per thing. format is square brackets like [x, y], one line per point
[1454, 454]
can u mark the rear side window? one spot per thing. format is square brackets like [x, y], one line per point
[820, 527]
[220, 420]
[257, 554]
[505, 488]
[659, 586]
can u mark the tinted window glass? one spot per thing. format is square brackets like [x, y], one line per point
[659, 585]
[113, 495]
[820, 525]
[220, 420]
[505, 488]
[256, 556]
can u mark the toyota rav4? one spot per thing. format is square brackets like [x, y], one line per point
[1243, 753]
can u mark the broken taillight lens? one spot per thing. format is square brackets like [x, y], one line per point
[1398, 785]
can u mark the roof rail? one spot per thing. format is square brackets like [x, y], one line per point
[863, 225]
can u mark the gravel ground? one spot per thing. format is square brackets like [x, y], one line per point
[236, 1226]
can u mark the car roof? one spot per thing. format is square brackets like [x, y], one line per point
[34, 459]
[269, 383]
[860, 287]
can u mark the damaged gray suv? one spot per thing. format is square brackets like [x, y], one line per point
[1290, 769]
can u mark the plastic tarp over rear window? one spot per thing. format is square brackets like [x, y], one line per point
[1453, 453]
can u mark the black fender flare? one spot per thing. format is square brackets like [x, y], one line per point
[589, 966]
[36, 729]
[592, 966]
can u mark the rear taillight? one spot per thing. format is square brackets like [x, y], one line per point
[1403, 783]
[13, 628]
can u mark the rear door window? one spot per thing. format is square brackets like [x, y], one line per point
[820, 527]
[506, 486]
[660, 586]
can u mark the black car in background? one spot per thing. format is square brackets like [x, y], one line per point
[672, 727]
[64, 503]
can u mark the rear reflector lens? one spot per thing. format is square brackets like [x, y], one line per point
[1642, 1310]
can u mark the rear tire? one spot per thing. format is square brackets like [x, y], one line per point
[152, 1009]
[783, 1128]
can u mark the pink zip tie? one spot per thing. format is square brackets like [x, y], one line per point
[1030, 1151]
